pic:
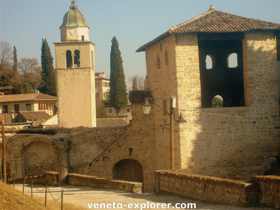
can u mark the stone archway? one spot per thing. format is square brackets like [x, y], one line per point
[39, 157]
[128, 170]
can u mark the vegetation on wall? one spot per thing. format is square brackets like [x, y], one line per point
[118, 92]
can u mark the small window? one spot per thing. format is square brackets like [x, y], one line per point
[232, 61]
[209, 62]
[166, 58]
[77, 58]
[5, 109]
[158, 62]
[83, 38]
[69, 62]
[28, 107]
[16, 108]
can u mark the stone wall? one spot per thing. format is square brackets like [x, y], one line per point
[228, 142]
[97, 182]
[210, 189]
[91, 151]
[162, 81]
[112, 122]
[96, 151]
[270, 190]
[33, 154]
[234, 142]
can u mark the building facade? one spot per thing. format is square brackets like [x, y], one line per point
[102, 84]
[224, 56]
[75, 69]
[34, 102]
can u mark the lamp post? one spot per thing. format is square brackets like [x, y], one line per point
[171, 119]
[4, 161]
[147, 107]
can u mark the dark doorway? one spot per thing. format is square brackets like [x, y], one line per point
[221, 66]
[128, 170]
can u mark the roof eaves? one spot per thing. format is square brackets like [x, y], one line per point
[148, 44]
[172, 30]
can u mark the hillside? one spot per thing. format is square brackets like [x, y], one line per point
[11, 199]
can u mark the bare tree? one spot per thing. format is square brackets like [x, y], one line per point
[28, 65]
[6, 53]
[31, 74]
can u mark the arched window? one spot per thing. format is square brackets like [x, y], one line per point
[232, 61]
[166, 58]
[209, 62]
[77, 58]
[69, 62]
[158, 62]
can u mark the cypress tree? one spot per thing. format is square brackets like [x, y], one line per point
[48, 76]
[15, 59]
[118, 94]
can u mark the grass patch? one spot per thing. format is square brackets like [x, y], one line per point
[11, 199]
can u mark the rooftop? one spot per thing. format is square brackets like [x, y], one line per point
[26, 97]
[215, 21]
[34, 116]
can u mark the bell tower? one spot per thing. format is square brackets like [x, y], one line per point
[75, 72]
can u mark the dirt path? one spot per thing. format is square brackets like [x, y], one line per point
[85, 197]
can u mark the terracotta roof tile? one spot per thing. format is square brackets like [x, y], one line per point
[26, 97]
[34, 116]
[214, 21]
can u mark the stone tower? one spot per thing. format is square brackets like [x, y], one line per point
[75, 71]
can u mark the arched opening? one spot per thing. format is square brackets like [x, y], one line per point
[77, 58]
[40, 157]
[232, 61]
[209, 62]
[128, 170]
[69, 62]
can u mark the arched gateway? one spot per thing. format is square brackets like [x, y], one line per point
[128, 170]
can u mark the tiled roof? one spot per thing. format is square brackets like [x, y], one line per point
[214, 21]
[26, 97]
[34, 116]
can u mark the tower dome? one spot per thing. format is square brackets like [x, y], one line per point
[74, 17]
[74, 26]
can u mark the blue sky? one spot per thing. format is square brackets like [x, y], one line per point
[24, 22]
